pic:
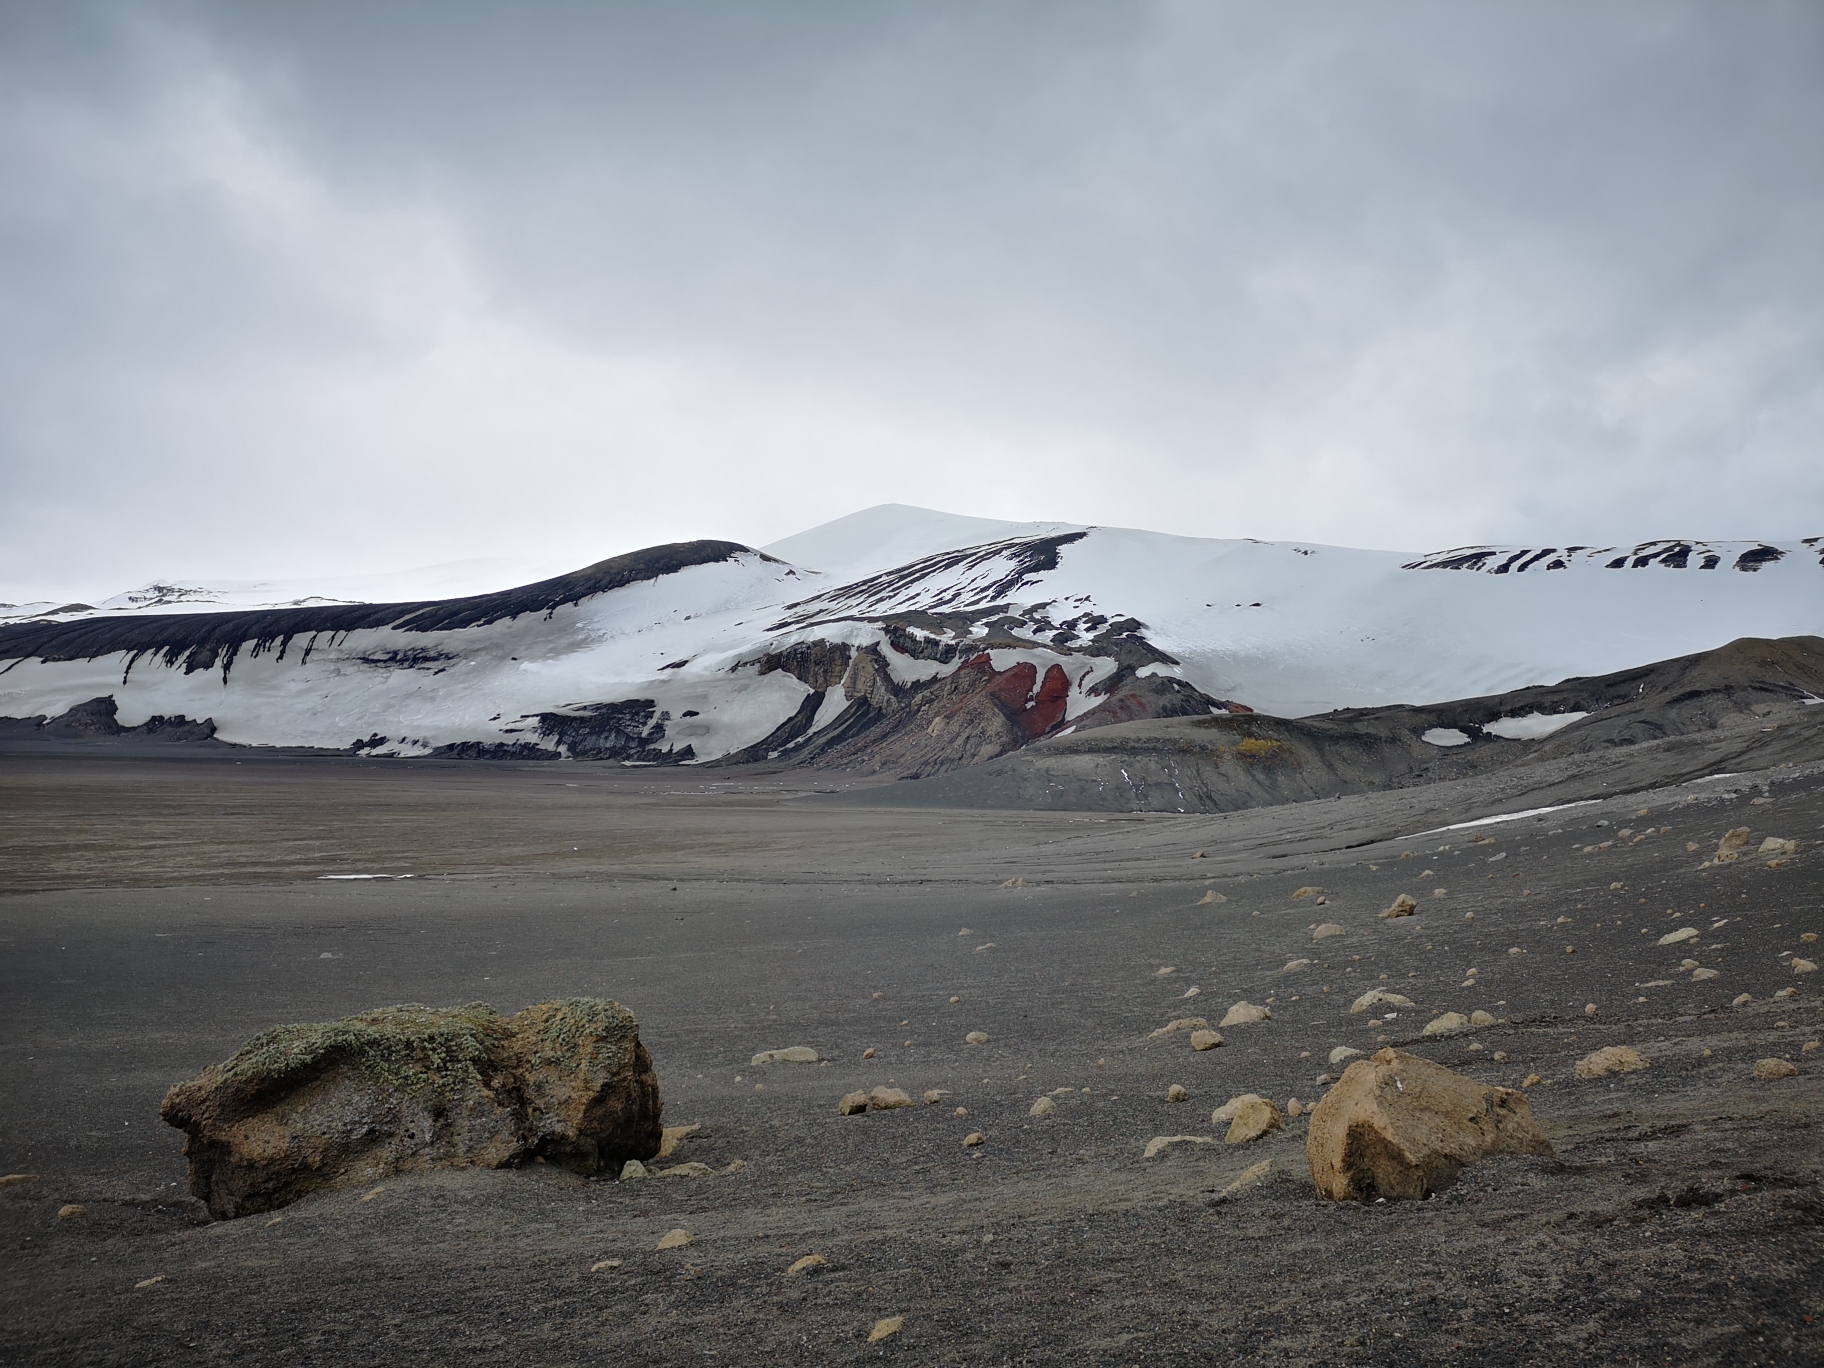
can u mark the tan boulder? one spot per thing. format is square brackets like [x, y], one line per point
[976, 1038]
[888, 1099]
[673, 1136]
[1403, 906]
[403, 1089]
[1731, 846]
[1308, 892]
[1775, 845]
[805, 1265]
[1177, 1093]
[1342, 1052]
[974, 1138]
[1205, 1040]
[675, 1239]
[1803, 966]
[1678, 937]
[852, 1104]
[1774, 1068]
[1481, 1018]
[1043, 1107]
[1210, 898]
[1245, 1014]
[1327, 930]
[1396, 1125]
[1610, 1059]
[889, 1325]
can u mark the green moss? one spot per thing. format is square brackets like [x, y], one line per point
[569, 1022]
[397, 1046]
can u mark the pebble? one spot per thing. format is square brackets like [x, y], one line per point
[1376, 997]
[1482, 1018]
[976, 1038]
[933, 1096]
[152, 1281]
[865, 1054]
[1699, 975]
[1043, 1107]
[604, 1265]
[1294, 965]
[1177, 1093]
[974, 1138]
[1532, 1080]
[1684, 933]
[805, 1265]
[792, 1054]
[892, 1325]
[1804, 966]
[71, 1209]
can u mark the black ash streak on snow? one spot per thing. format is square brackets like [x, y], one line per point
[1671, 555]
[201, 641]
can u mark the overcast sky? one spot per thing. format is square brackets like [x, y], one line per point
[316, 287]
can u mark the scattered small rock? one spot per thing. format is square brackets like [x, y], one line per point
[1292, 966]
[1294, 1108]
[1205, 1040]
[1311, 892]
[1160, 1143]
[1209, 898]
[933, 1096]
[1163, 970]
[1699, 975]
[1775, 845]
[852, 1104]
[1177, 1093]
[1481, 1018]
[9, 1179]
[1684, 933]
[1610, 1059]
[1803, 966]
[152, 1281]
[888, 1099]
[1043, 1107]
[1327, 930]
[974, 1138]
[976, 1038]
[633, 1168]
[71, 1209]
[1532, 1080]
[1178, 1024]
[891, 1325]
[1730, 847]
[1774, 1068]
[1245, 1014]
[1403, 906]
[673, 1136]
[1379, 997]
[805, 1265]
[1251, 1176]
[692, 1170]
[675, 1239]
[1342, 1052]
[1446, 1021]
[1253, 1119]
[865, 1054]
[1742, 1000]
[792, 1054]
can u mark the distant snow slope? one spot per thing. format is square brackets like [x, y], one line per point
[923, 635]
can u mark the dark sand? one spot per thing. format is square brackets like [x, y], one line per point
[162, 909]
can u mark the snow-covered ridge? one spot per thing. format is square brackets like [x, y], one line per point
[710, 650]
[1667, 555]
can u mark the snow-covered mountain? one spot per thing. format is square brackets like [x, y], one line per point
[898, 638]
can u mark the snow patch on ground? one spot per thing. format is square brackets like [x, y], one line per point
[1532, 725]
[1445, 736]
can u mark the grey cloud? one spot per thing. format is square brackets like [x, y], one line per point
[300, 287]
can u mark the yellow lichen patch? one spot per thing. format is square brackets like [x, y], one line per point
[1257, 745]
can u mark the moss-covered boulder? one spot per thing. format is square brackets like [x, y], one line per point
[403, 1088]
